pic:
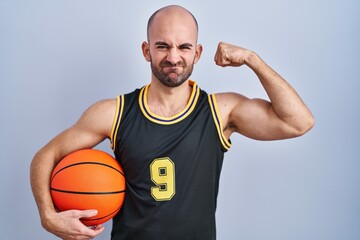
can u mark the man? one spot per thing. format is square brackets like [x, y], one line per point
[170, 137]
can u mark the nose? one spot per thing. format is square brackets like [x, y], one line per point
[173, 56]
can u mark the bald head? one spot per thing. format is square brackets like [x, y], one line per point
[171, 13]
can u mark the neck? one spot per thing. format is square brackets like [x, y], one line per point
[166, 101]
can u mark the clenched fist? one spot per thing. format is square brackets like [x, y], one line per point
[231, 55]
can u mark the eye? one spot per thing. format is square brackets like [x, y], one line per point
[162, 46]
[185, 46]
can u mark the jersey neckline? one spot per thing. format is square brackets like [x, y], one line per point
[173, 119]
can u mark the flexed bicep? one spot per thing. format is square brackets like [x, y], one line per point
[253, 118]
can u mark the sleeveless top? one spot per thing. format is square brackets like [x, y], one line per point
[172, 168]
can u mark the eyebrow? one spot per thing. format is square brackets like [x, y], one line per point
[186, 45]
[161, 43]
[166, 44]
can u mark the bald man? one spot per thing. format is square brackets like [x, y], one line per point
[170, 137]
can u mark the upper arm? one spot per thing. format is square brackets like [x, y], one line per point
[93, 127]
[254, 118]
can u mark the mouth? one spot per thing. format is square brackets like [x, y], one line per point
[167, 64]
[171, 68]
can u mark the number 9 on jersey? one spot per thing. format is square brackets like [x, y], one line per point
[162, 172]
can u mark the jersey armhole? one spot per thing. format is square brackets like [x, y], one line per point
[225, 143]
[117, 119]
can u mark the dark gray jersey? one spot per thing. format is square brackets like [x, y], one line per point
[172, 168]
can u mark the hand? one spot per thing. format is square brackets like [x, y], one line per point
[231, 55]
[67, 225]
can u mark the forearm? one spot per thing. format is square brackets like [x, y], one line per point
[285, 101]
[40, 173]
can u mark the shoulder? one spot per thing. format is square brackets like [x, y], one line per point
[101, 109]
[104, 105]
[226, 103]
[229, 97]
[99, 116]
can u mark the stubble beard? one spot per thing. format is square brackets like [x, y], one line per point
[172, 79]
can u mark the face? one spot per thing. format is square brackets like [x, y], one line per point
[172, 71]
[172, 50]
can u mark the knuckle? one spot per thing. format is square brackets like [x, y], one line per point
[72, 214]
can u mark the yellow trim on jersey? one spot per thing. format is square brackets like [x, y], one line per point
[218, 122]
[169, 120]
[117, 118]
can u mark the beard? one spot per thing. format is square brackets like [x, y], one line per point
[172, 78]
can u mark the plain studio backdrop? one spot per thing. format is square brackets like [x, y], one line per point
[59, 57]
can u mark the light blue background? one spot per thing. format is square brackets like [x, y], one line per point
[59, 57]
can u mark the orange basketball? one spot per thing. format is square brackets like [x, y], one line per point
[89, 179]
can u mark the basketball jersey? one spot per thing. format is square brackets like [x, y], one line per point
[172, 168]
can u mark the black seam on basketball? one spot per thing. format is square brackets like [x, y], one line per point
[95, 219]
[89, 193]
[81, 163]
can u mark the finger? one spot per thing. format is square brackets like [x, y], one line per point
[99, 229]
[95, 230]
[96, 227]
[86, 213]
[218, 53]
[219, 60]
[85, 232]
[222, 62]
[78, 214]
[88, 233]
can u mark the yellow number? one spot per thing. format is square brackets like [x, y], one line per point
[162, 172]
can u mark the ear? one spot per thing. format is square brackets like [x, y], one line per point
[146, 50]
[198, 52]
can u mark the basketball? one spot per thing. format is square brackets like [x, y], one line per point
[89, 179]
